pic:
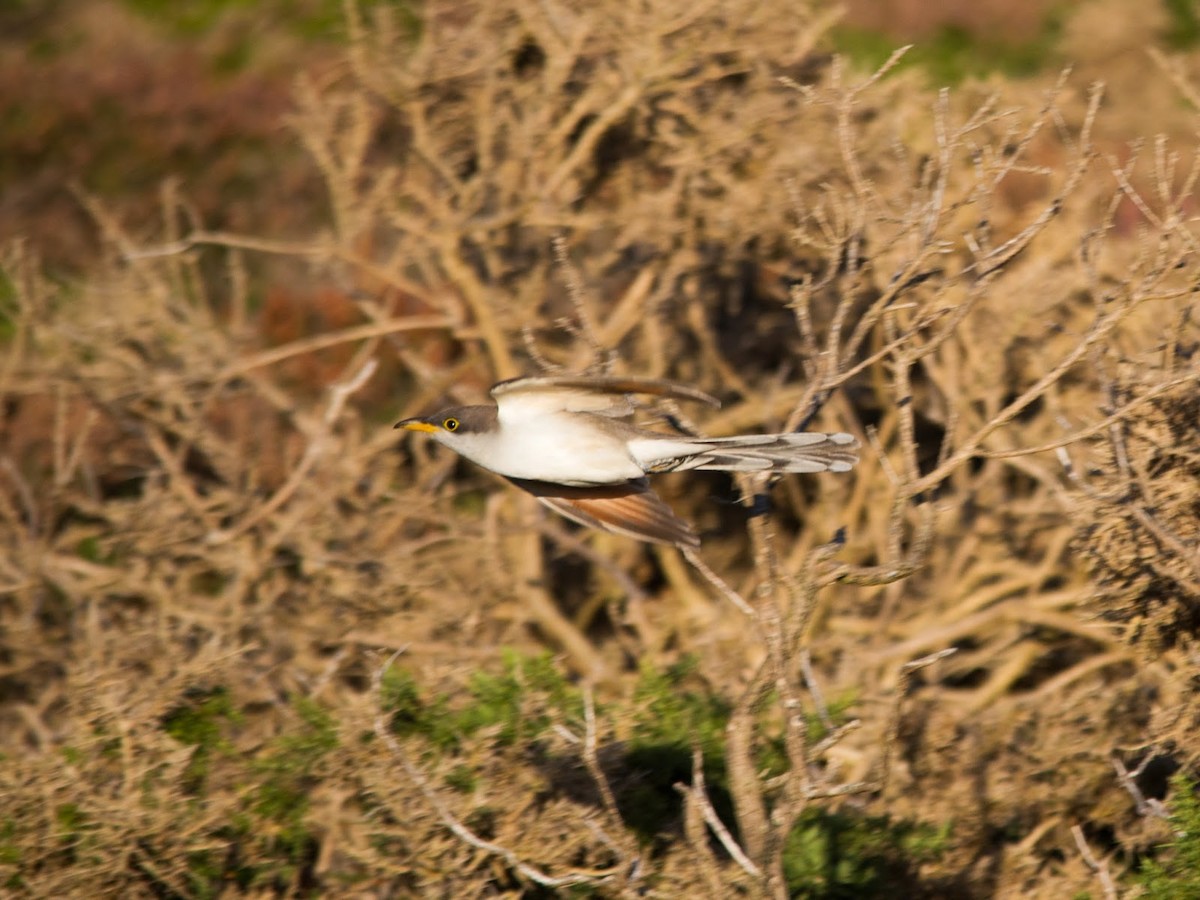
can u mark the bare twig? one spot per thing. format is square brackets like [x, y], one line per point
[1097, 866]
[1146, 806]
[906, 673]
[699, 793]
[318, 445]
[717, 582]
[592, 760]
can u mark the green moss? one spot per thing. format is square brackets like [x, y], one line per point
[838, 711]
[515, 703]
[73, 825]
[312, 20]
[10, 855]
[412, 714]
[1175, 873]
[9, 308]
[95, 549]
[1183, 32]
[206, 874]
[502, 700]
[828, 855]
[400, 697]
[674, 712]
[462, 779]
[271, 839]
[955, 53]
[202, 721]
[846, 855]
[210, 583]
[471, 503]
[189, 19]
[276, 816]
[297, 753]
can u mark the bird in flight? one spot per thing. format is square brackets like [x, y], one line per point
[566, 440]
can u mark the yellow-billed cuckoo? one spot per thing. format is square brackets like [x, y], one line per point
[564, 440]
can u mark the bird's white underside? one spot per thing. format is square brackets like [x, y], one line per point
[538, 442]
[550, 447]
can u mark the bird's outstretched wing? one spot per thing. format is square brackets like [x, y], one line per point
[631, 509]
[602, 395]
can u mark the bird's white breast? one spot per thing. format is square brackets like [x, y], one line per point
[565, 448]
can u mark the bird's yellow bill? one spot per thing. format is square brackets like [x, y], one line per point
[416, 426]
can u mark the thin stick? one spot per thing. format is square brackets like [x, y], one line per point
[906, 672]
[1146, 806]
[1100, 868]
[592, 760]
[1091, 431]
[699, 793]
[338, 395]
[716, 581]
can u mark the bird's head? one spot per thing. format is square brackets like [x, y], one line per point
[455, 426]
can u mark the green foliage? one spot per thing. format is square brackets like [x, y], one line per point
[462, 779]
[834, 855]
[201, 721]
[515, 704]
[199, 16]
[838, 711]
[500, 700]
[10, 854]
[301, 751]
[414, 715]
[90, 549]
[772, 754]
[674, 711]
[954, 53]
[829, 855]
[1177, 876]
[288, 774]
[9, 309]
[289, 769]
[197, 721]
[671, 714]
[72, 828]
[401, 698]
[312, 20]
[274, 816]
[515, 707]
[70, 820]
[206, 874]
[1184, 29]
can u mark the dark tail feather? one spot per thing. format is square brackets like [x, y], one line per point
[798, 452]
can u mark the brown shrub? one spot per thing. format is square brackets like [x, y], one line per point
[196, 533]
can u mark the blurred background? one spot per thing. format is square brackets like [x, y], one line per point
[211, 541]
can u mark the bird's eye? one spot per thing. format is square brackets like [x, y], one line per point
[450, 424]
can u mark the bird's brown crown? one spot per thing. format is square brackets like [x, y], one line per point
[455, 419]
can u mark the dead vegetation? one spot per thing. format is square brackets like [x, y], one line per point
[250, 645]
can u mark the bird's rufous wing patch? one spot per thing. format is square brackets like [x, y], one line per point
[631, 509]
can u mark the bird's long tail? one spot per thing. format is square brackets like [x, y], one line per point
[794, 452]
